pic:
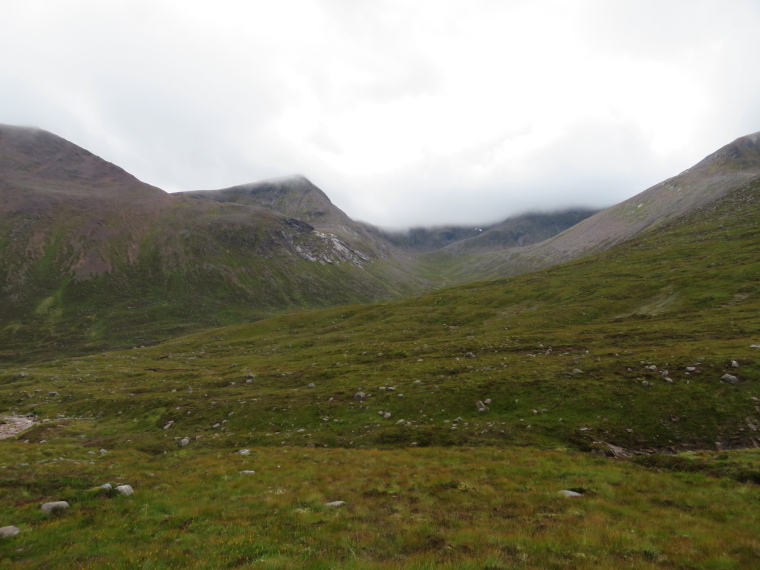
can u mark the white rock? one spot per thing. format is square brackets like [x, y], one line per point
[335, 504]
[566, 493]
[9, 531]
[103, 451]
[125, 489]
[106, 487]
[183, 442]
[54, 507]
[244, 452]
[729, 378]
[734, 364]
[168, 425]
[247, 472]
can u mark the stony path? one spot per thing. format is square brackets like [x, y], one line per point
[14, 425]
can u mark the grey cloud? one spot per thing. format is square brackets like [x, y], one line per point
[188, 96]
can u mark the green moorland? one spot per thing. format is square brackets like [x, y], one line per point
[618, 353]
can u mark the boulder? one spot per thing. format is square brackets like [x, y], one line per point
[9, 531]
[570, 494]
[54, 507]
[729, 379]
[106, 487]
[244, 452]
[183, 442]
[125, 489]
[335, 504]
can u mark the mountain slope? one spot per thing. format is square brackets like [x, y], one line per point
[522, 230]
[92, 255]
[729, 168]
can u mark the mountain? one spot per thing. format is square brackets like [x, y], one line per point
[297, 197]
[294, 196]
[422, 239]
[733, 166]
[92, 255]
[93, 258]
[522, 230]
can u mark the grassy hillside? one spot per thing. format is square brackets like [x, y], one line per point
[565, 355]
[573, 355]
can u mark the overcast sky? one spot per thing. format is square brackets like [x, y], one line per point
[409, 112]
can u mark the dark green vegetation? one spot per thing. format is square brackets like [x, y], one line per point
[616, 354]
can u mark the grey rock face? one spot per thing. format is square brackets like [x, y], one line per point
[54, 507]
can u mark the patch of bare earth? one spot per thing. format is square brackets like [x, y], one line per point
[14, 425]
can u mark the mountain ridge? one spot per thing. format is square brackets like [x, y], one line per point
[80, 236]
